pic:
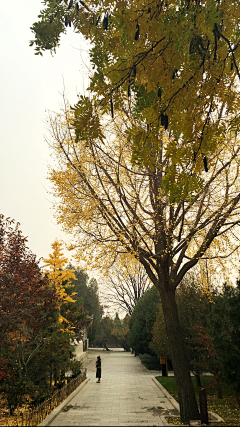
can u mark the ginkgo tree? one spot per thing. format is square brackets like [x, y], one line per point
[59, 277]
[175, 63]
[70, 314]
[117, 210]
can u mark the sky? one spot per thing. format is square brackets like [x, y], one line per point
[30, 86]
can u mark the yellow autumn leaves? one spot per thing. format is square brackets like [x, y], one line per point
[59, 277]
[113, 207]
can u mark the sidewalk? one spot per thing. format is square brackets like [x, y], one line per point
[126, 396]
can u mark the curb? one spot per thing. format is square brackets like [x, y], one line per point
[47, 421]
[168, 395]
[212, 415]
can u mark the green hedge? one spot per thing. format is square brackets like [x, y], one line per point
[150, 362]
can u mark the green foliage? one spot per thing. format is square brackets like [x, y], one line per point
[190, 51]
[151, 362]
[115, 332]
[86, 121]
[87, 291]
[75, 367]
[193, 309]
[120, 332]
[224, 328]
[47, 35]
[211, 332]
[53, 360]
[159, 342]
[15, 384]
[117, 324]
[36, 348]
[142, 320]
[104, 331]
[227, 407]
[144, 99]
[124, 338]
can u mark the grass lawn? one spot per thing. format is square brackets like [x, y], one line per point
[227, 407]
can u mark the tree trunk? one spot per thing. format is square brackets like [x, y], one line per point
[105, 346]
[198, 380]
[50, 379]
[219, 388]
[187, 399]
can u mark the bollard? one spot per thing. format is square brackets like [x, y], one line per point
[203, 406]
[163, 362]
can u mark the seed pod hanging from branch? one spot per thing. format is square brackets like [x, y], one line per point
[175, 73]
[67, 19]
[137, 32]
[105, 22]
[112, 112]
[164, 120]
[205, 164]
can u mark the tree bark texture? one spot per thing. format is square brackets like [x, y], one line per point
[187, 399]
[198, 380]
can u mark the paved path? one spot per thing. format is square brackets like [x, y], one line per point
[126, 396]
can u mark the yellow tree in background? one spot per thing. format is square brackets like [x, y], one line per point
[59, 276]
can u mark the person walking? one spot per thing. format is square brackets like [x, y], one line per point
[98, 369]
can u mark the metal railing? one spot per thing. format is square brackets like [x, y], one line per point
[35, 416]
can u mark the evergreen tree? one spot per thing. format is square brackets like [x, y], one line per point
[224, 328]
[142, 321]
[87, 290]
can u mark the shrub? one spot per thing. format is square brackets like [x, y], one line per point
[150, 362]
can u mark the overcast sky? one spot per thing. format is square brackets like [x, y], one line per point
[30, 85]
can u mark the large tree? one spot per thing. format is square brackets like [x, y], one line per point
[193, 309]
[118, 210]
[173, 67]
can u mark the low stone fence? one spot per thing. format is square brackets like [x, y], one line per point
[36, 415]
